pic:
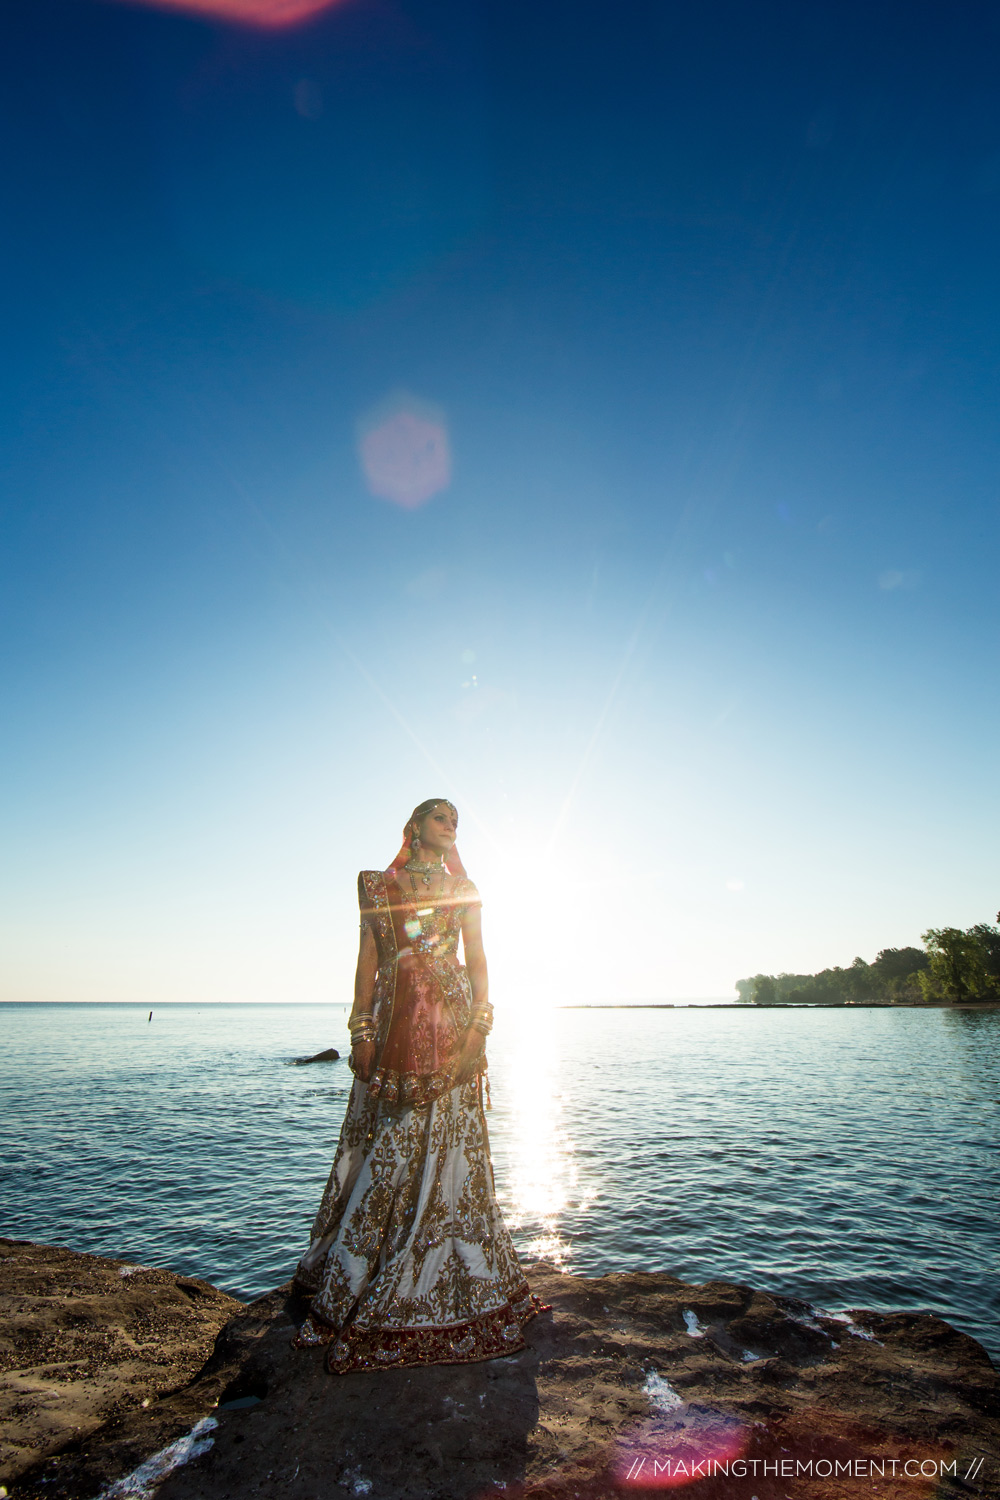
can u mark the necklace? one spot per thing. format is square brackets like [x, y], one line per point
[425, 868]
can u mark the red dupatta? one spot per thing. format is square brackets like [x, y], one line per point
[423, 996]
[423, 999]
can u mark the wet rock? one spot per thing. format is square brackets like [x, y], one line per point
[632, 1377]
[329, 1055]
[84, 1341]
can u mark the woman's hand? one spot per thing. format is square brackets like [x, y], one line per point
[363, 1060]
[469, 1054]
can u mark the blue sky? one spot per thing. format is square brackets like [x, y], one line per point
[702, 634]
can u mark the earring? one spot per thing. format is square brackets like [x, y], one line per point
[415, 845]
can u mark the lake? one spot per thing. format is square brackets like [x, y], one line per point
[848, 1156]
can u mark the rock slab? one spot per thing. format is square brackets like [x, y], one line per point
[634, 1384]
[85, 1340]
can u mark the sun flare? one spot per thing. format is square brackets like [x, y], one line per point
[262, 13]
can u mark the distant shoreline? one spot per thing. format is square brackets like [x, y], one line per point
[784, 1005]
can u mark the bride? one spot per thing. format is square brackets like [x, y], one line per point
[410, 1262]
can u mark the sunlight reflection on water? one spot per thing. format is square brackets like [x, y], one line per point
[541, 1177]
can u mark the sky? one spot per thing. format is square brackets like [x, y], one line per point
[585, 412]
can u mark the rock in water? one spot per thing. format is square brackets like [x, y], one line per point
[632, 1377]
[330, 1055]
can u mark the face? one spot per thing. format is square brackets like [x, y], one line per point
[437, 830]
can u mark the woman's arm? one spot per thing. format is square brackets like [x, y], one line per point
[482, 1012]
[362, 1042]
[475, 960]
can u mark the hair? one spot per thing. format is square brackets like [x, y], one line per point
[453, 862]
[420, 813]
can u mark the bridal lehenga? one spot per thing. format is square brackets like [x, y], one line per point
[410, 1262]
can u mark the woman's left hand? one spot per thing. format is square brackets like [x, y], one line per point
[469, 1054]
[363, 1059]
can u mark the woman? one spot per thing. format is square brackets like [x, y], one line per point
[410, 1261]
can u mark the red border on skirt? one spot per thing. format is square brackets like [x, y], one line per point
[491, 1335]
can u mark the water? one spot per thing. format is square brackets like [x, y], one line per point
[844, 1156]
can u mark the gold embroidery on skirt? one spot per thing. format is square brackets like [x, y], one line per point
[410, 1260]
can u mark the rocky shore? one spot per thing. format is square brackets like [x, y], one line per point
[125, 1383]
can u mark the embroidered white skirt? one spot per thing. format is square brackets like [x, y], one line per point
[410, 1261]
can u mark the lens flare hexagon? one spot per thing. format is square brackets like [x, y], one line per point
[678, 1445]
[404, 451]
[672, 1465]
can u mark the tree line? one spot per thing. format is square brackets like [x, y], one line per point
[953, 966]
